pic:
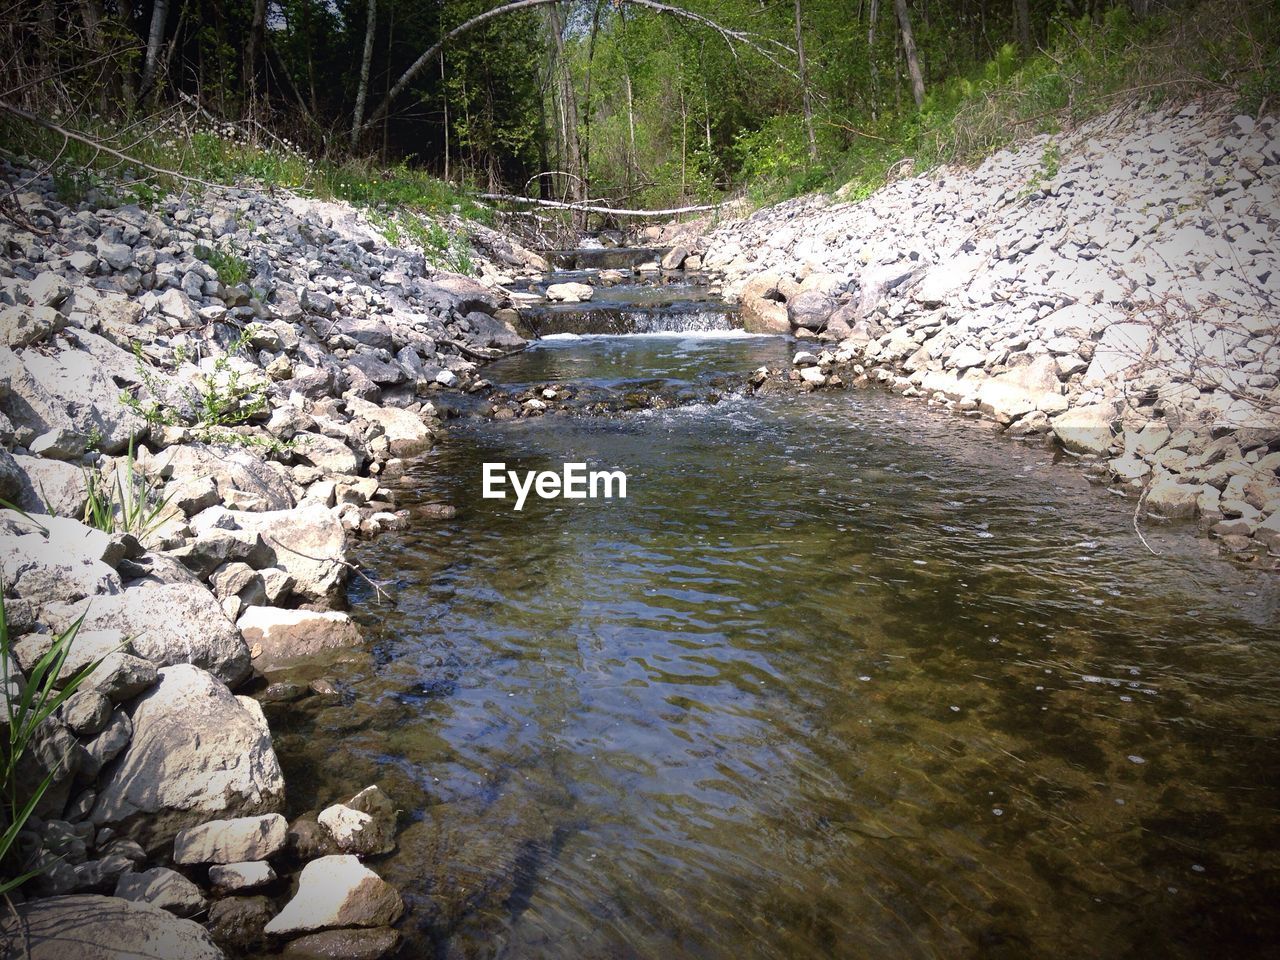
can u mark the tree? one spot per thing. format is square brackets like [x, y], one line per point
[804, 88]
[362, 89]
[1023, 17]
[909, 49]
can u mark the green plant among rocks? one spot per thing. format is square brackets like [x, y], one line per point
[122, 500]
[222, 397]
[29, 703]
[231, 268]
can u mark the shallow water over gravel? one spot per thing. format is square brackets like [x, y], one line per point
[842, 677]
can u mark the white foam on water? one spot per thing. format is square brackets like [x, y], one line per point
[663, 335]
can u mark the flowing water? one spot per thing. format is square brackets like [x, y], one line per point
[841, 677]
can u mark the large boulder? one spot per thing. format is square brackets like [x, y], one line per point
[230, 468]
[810, 310]
[101, 928]
[405, 431]
[276, 637]
[308, 543]
[674, 258]
[55, 559]
[164, 888]
[1087, 428]
[763, 315]
[1017, 392]
[32, 407]
[198, 752]
[50, 486]
[166, 624]
[493, 332]
[337, 891]
[88, 396]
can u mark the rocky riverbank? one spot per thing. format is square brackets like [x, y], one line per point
[1113, 290]
[225, 387]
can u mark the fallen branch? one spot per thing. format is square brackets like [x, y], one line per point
[1137, 510]
[99, 145]
[494, 353]
[595, 208]
[377, 587]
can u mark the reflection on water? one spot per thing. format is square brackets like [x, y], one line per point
[841, 678]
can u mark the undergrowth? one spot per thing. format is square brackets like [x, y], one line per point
[1086, 69]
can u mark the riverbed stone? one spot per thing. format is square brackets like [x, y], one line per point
[162, 888]
[277, 637]
[197, 752]
[570, 292]
[365, 825]
[231, 841]
[238, 922]
[337, 891]
[237, 877]
[1086, 429]
[91, 927]
[344, 945]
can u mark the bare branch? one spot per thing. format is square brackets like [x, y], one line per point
[99, 145]
[730, 37]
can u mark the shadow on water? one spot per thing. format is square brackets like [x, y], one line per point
[838, 678]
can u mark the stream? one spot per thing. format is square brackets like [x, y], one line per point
[841, 677]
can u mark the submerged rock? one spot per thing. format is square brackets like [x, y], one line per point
[344, 945]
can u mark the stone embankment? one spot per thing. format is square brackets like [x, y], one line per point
[1116, 289]
[252, 369]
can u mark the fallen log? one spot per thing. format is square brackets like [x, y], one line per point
[592, 208]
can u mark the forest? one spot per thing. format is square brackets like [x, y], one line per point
[626, 103]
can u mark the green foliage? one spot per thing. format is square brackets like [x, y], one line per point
[232, 269]
[222, 397]
[123, 500]
[36, 698]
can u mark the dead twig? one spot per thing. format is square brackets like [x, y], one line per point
[99, 145]
[377, 587]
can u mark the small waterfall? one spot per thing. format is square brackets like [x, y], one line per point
[585, 319]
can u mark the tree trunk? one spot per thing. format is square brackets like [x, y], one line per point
[572, 157]
[444, 96]
[804, 88]
[1023, 17]
[909, 48]
[155, 38]
[257, 30]
[871, 57]
[362, 89]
